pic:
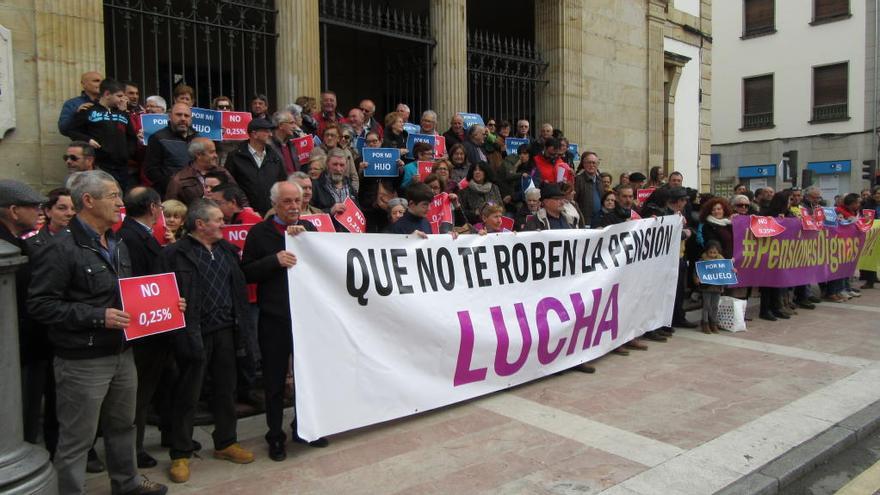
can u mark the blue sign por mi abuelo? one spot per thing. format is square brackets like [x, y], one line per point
[471, 119]
[716, 272]
[381, 162]
[831, 219]
[412, 139]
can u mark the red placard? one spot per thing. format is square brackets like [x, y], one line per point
[819, 216]
[351, 218]
[159, 230]
[304, 146]
[507, 223]
[633, 215]
[644, 194]
[807, 220]
[237, 234]
[439, 146]
[440, 210]
[765, 226]
[235, 125]
[118, 225]
[153, 303]
[425, 169]
[866, 220]
[463, 184]
[321, 221]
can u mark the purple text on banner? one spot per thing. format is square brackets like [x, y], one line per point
[795, 257]
[471, 119]
[208, 123]
[152, 123]
[381, 162]
[513, 144]
[412, 139]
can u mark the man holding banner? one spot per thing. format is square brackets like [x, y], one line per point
[265, 262]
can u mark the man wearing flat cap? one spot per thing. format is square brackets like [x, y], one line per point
[19, 209]
[255, 166]
[551, 216]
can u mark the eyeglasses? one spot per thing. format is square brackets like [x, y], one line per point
[741, 205]
[346, 137]
[72, 158]
[224, 107]
[366, 111]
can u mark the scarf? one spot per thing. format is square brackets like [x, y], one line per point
[483, 188]
[720, 222]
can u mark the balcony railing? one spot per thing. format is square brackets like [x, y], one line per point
[757, 120]
[836, 111]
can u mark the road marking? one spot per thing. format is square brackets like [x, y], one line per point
[782, 350]
[866, 483]
[594, 434]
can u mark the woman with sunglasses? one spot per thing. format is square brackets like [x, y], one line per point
[332, 138]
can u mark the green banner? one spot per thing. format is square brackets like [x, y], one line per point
[870, 258]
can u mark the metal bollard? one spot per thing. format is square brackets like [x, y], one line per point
[24, 468]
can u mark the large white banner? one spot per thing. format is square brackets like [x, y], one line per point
[385, 326]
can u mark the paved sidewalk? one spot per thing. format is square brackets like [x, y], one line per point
[690, 416]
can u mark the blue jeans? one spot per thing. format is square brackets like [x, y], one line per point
[89, 390]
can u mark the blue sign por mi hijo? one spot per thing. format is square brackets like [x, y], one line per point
[381, 162]
[716, 272]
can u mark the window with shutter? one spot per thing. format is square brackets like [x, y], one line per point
[758, 102]
[830, 92]
[759, 17]
[830, 10]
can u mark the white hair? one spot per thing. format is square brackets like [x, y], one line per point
[533, 193]
[91, 182]
[158, 101]
[274, 191]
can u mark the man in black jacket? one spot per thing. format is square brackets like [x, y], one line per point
[75, 292]
[255, 166]
[208, 275]
[167, 149]
[143, 207]
[265, 262]
[333, 187]
[108, 130]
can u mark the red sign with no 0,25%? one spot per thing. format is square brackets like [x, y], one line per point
[153, 302]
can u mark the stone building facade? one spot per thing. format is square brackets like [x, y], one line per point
[629, 79]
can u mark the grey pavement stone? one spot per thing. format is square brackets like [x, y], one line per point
[801, 459]
[864, 422]
[752, 484]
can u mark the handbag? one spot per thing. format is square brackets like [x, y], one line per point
[732, 314]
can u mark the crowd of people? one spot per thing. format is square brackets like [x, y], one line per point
[237, 343]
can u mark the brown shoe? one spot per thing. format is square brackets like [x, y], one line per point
[585, 368]
[635, 344]
[621, 351]
[713, 327]
[235, 453]
[179, 472]
[704, 326]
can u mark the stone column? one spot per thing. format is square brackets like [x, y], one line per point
[297, 51]
[559, 35]
[24, 468]
[656, 76]
[449, 95]
[69, 40]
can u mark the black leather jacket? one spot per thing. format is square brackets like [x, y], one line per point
[71, 287]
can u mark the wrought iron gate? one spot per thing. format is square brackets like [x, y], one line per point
[219, 47]
[401, 67]
[503, 75]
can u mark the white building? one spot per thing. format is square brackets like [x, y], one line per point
[793, 75]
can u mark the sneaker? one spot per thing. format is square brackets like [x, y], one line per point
[148, 487]
[179, 472]
[854, 293]
[235, 453]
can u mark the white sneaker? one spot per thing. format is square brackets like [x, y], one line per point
[854, 294]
